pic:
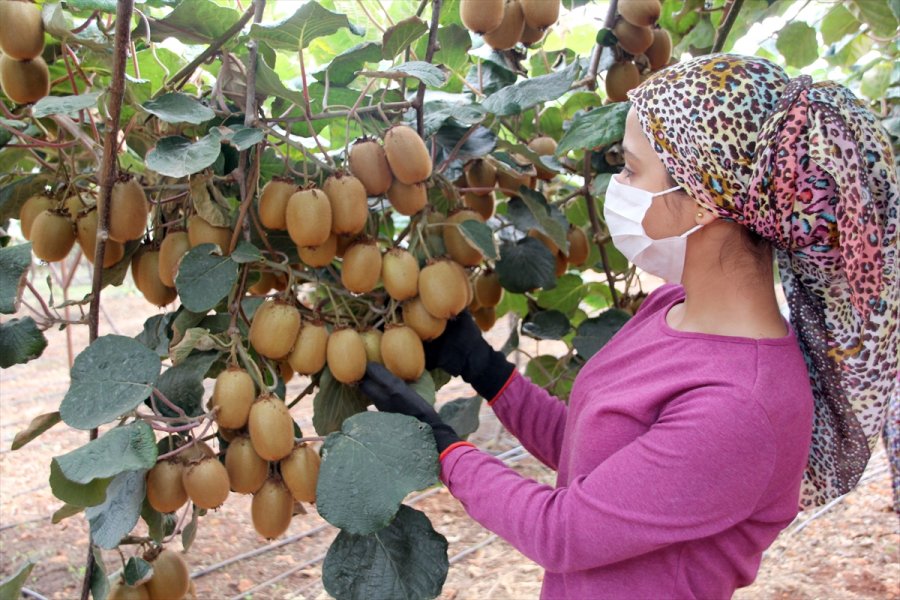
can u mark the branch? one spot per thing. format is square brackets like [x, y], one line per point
[590, 80]
[429, 55]
[341, 113]
[595, 226]
[734, 7]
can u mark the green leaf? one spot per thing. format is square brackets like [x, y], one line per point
[177, 156]
[309, 22]
[593, 333]
[370, 465]
[401, 36]
[14, 263]
[343, 67]
[63, 105]
[428, 74]
[127, 448]
[99, 582]
[38, 425]
[439, 112]
[526, 265]
[462, 415]
[204, 278]
[159, 525]
[176, 107]
[156, 334]
[334, 403]
[194, 22]
[525, 94]
[454, 43]
[594, 128]
[878, 15]
[545, 371]
[404, 561]
[77, 494]
[479, 235]
[549, 220]
[245, 252]
[20, 342]
[877, 80]
[64, 512]
[547, 325]
[137, 570]
[424, 387]
[119, 513]
[109, 378]
[269, 83]
[242, 138]
[565, 296]
[183, 384]
[797, 44]
[108, 6]
[837, 23]
[189, 534]
[11, 587]
[59, 24]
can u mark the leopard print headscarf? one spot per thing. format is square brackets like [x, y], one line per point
[806, 166]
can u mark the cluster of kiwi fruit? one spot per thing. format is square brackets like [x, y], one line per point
[24, 75]
[171, 579]
[637, 38]
[505, 23]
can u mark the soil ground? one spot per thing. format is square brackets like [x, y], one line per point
[851, 551]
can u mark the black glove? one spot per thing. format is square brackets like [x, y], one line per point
[389, 393]
[461, 350]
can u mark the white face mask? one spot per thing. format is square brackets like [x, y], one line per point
[624, 210]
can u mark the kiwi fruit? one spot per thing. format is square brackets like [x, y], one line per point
[530, 35]
[543, 146]
[86, 233]
[267, 281]
[195, 452]
[480, 173]
[285, 370]
[426, 326]
[148, 281]
[660, 51]
[321, 255]
[346, 355]
[274, 328]
[579, 247]
[171, 578]
[271, 427]
[201, 232]
[174, 246]
[369, 164]
[642, 13]
[511, 27]
[273, 203]
[272, 508]
[300, 471]
[621, 78]
[372, 341]
[510, 180]
[52, 236]
[308, 217]
[128, 211]
[562, 264]
[233, 395]
[540, 14]
[485, 317]
[407, 155]
[483, 205]
[29, 211]
[481, 16]
[488, 291]
[361, 268]
[402, 352]
[122, 591]
[206, 483]
[458, 247]
[24, 81]
[400, 271]
[545, 239]
[73, 205]
[308, 355]
[349, 207]
[407, 199]
[246, 470]
[165, 490]
[443, 289]
[633, 39]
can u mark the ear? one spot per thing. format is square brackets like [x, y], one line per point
[704, 216]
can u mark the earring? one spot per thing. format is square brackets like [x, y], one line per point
[699, 214]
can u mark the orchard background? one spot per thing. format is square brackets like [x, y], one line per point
[177, 143]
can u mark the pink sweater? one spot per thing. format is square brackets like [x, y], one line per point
[679, 460]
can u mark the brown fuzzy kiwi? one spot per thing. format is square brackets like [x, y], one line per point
[481, 16]
[128, 211]
[173, 248]
[402, 352]
[660, 51]
[246, 469]
[483, 205]
[620, 79]
[407, 155]
[481, 173]
[321, 255]
[443, 288]
[273, 202]
[149, 283]
[349, 206]
[369, 164]
[510, 180]
[73, 206]
[488, 291]
[86, 231]
[579, 246]
[510, 30]
[201, 232]
[300, 471]
[458, 247]
[274, 328]
[642, 13]
[171, 578]
[361, 268]
[543, 146]
[122, 591]
[264, 284]
[530, 35]
[271, 427]
[308, 355]
[195, 452]
[540, 14]
[30, 210]
[165, 490]
[308, 217]
[407, 199]
[206, 483]
[372, 341]
[632, 38]
[233, 395]
[272, 508]
[346, 355]
[52, 236]
[400, 271]
[426, 325]
[562, 264]
[24, 81]
[545, 239]
[485, 317]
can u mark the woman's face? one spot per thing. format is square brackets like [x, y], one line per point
[671, 214]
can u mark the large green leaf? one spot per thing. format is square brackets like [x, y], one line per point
[204, 278]
[549, 219]
[306, 24]
[20, 341]
[596, 127]
[119, 513]
[547, 325]
[109, 378]
[877, 14]
[13, 195]
[566, 296]
[77, 494]
[797, 44]
[343, 67]
[183, 383]
[462, 415]
[401, 36]
[370, 465]
[11, 587]
[427, 73]
[404, 561]
[14, 263]
[526, 265]
[176, 107]
[837, 23]
[481, 236]
[335, 402]
[63, 105]
[592, 334]
[194, 22]
[525, 94]
[177, 156]
[454, 43]
[127, 448]
[269, 83]
[439, 112]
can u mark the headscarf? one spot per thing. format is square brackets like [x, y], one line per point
[806, 166]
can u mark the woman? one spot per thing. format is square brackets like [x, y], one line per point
[688, 437]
